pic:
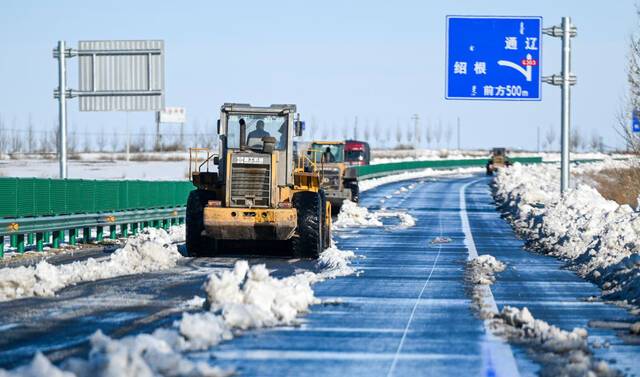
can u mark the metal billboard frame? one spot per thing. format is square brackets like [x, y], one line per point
[116, 75]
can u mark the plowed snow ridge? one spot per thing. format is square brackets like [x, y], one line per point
[597, 236]
[151, 250]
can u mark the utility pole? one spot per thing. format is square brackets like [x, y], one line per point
[566, 31]
[158, 137]
[355, 128]
[128, 136]
[458, 132]
[416, 120]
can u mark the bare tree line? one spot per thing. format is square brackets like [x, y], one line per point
[16, 138]
[631, 102]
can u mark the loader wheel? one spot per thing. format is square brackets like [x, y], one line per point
[307, 243]
[489, 171]
[326, 228]
[355, 192]
[197, 244]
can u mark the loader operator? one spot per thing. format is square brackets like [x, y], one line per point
[283, 136]
[327, 156]
[258, 133]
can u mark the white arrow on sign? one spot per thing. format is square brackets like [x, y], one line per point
[526, 72]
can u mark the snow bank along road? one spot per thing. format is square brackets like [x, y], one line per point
[408, 311]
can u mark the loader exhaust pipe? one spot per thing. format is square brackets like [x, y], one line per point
[243, 135]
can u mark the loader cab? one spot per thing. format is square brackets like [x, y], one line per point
[328, 153]
[252, 136]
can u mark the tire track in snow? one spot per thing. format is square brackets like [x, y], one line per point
[498, 359]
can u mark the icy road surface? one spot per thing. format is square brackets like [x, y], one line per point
[407, 313]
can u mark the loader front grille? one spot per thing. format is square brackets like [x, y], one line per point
[331, 179]
[250, 185]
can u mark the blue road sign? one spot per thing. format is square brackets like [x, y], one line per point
[635, 123]
[493, 58]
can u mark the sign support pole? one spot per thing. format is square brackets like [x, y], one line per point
[62, 109]
[566, 103]
[566, 31]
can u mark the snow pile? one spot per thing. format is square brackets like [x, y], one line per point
[597, 236]
[548, 337]
[368, 184]
[333, 263]
[178, 233]
[481, 269]
[561, 353]
[441, 239]
[352, 215]
[249, 298]
[151, 250]
[406, 220]
[243, 298]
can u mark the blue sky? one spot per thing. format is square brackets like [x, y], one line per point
[379, 60]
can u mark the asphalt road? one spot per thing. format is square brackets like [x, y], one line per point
[406, 313]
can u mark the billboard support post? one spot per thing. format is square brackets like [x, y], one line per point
[60, 54]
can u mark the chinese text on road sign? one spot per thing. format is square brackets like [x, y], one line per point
[493, 58]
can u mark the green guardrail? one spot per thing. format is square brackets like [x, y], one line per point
[29, 197]
[371, 171]
[37, 212]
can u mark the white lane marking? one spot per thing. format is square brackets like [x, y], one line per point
[415, 306]
[328, 355]
[498, 357]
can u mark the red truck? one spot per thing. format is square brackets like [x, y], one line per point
[357, 152]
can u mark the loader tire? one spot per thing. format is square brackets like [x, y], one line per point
[197, 244]
[326, 226]
[355, 192]
[307, 242]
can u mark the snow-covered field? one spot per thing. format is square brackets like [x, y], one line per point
[175, 165]
[385, 156]
[599, 238]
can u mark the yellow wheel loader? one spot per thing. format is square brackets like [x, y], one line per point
[259, 191]
[498, 160]
[338, 180]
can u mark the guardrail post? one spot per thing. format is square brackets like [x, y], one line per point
[30, 239]
[112, 232]
[13, 240]
[39, 241]
[1, 246]
[99, 233]
[57, 238]
[165, 224]
[174, 221]
[134, 228]
[73, 239]
[47, 237]
[180, 220]
[21, 243]
[145, 224]
[86, 235]
[124, 229]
